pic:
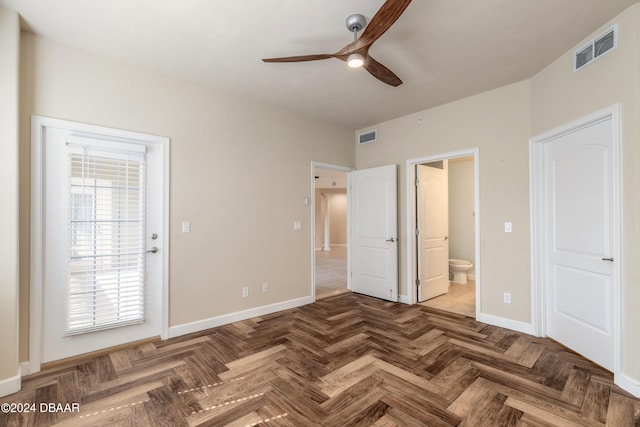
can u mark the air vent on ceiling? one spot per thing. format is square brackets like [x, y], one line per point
[596, 48]
[367, 137]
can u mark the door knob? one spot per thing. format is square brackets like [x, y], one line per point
[391, 240]
[153, 250]
[446, 237]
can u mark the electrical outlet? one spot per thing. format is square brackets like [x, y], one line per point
[507, 298]
[245, 292]
[508, 227]
[265, 288]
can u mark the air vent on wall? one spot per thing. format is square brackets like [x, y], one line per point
[367, 137]
[596, 48]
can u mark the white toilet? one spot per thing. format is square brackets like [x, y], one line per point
[458, 269]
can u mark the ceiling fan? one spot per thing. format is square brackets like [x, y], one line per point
[356, 54]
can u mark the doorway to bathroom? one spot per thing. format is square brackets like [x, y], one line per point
[330, 231]
[442, 210]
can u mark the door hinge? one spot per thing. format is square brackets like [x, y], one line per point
[417, 282]
[417, 182]
[417, 231]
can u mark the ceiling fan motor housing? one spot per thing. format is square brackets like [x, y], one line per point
[356, 22]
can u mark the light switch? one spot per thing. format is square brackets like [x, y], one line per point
[186, 227]
[297, 225]
[507, 227]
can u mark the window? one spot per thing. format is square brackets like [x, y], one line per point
[106, 285]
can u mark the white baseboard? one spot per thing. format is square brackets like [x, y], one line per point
[628, 384]
[11, 385]
[331, 245]
[514, 325]
[212, 322]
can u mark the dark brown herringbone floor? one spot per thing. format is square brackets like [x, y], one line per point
[342, 361]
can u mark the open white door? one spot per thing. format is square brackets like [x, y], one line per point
[433, 231]
[374, 227]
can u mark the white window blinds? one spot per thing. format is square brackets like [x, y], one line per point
[106, 244]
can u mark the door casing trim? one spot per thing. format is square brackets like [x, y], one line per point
[38, 126]
[538, 293]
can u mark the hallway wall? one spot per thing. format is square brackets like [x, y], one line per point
[337, 217]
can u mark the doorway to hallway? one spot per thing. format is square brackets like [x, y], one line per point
[330, 231]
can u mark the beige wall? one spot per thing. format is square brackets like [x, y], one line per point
[497, 122]
[337, 217]
[9, 51]
[461, 211]
[560, 95]
[222, 174]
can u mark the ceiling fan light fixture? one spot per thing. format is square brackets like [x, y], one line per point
[356, 53]
[355, 60]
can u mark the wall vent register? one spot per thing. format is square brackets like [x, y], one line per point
[367, 137]
[596, 48]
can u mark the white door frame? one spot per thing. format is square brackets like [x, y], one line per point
[538, 294]
[345, 169]
[38, 129]
[411, 266]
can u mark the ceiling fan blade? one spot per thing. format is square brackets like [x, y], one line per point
[381, 72]
[302, 58]
[383, 20]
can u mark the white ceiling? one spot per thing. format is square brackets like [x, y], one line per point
[443, 50]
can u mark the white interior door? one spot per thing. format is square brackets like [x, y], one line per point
[433, 231]
[102, 215]
[578, 241]
[374, 243]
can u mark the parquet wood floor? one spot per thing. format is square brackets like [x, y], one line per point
[346, 360]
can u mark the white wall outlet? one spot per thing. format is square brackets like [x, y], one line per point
[186, 227]
[508, 227]
[507, 298]
[297, 225]
[245, 292]
[265, 288]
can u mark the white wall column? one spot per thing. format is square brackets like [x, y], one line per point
[325, 218]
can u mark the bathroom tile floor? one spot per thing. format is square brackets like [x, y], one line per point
[460, 299]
